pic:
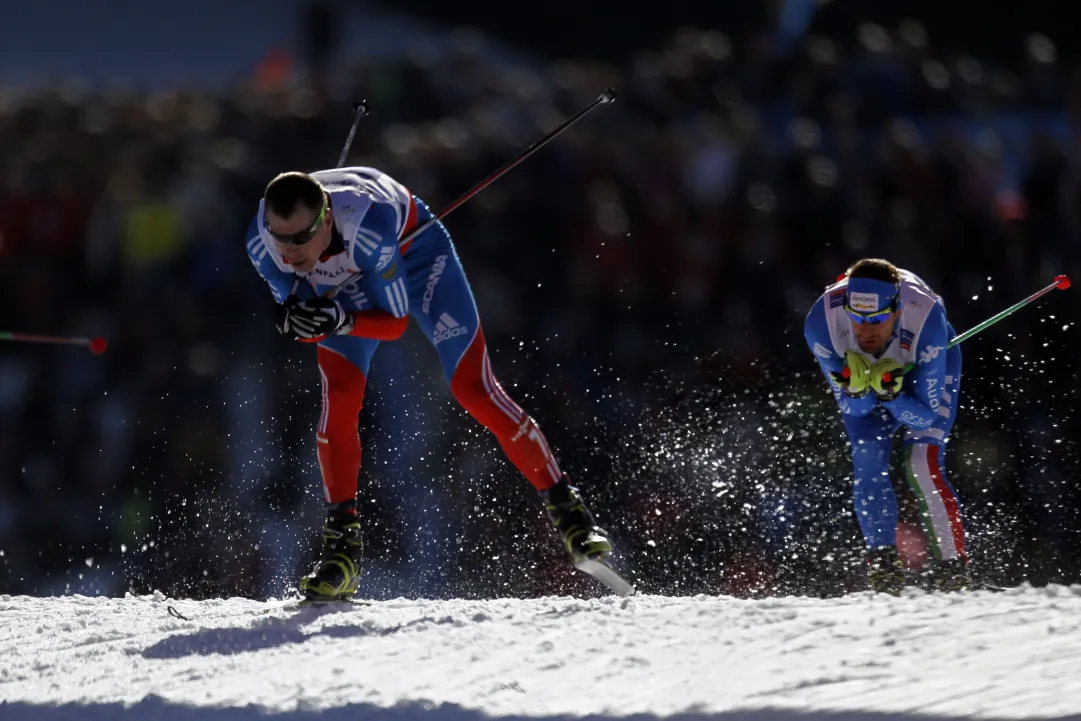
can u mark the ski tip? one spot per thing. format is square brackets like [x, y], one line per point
[606, 575]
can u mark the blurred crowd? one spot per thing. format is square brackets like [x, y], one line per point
[642, 281]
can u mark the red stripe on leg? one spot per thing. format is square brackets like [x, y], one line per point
[953, 510]
[477, 390]
[337, 439]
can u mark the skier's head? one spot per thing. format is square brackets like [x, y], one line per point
[872, 302]
[297, 215]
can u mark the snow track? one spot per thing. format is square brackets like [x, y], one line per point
[1010, 655]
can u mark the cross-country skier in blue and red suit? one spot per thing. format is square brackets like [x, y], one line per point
[864, 330]
[314, 232]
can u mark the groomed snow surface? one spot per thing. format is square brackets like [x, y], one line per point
[1015, 654]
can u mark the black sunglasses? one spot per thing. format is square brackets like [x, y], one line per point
[303, 236]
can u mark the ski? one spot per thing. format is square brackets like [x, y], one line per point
[325, 602]
[986, 586]
[298, 604]
[606, 575]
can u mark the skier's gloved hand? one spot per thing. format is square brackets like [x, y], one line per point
[855, 379]
[319, 316]
[285, 311]
[887, 379]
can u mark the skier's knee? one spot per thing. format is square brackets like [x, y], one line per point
[470, 393]
[343, 397]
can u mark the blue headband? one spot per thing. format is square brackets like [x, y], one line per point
[871, 296]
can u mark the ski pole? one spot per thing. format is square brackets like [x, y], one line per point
[97, 346]
[1061, 283]
[360, 109]
[608, 96]
[605, 98]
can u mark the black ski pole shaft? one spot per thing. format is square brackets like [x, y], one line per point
[605, 98]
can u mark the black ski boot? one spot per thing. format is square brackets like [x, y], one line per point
[885, 571]
[576, 525]
[951, 575]
[337, 574]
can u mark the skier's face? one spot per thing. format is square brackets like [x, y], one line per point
[873, 337]
[302, 237]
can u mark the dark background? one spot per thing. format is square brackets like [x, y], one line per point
[642, 282]
[613, 30]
